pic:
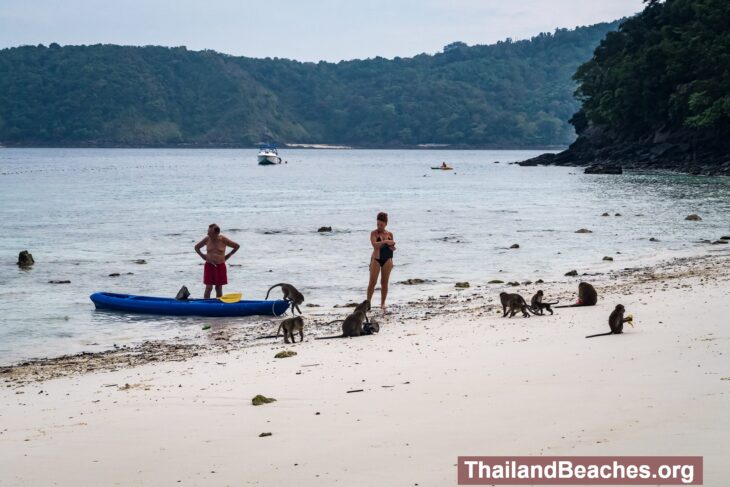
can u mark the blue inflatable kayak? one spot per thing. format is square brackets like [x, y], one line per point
[192, 307]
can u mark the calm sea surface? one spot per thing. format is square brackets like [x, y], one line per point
[85, 214]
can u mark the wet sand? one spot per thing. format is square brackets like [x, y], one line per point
[446, 376]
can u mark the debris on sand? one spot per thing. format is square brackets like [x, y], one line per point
[258, 400]
[285, 354]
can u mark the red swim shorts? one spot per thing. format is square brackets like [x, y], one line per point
[215, 275]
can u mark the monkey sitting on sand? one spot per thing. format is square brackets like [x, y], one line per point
[354, 324]
[587, 296]
[616, 321]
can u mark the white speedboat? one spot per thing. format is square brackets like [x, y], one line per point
[268, 155]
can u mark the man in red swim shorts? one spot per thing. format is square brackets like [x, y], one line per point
[214, 272]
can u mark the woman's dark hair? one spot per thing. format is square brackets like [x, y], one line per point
[383, 217]
[215, 228]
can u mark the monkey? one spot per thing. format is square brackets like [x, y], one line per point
[290, 294]
[352, 326]
[514, 302]
[587, 296]
[538, 307]
[370, 328]
[183, 294]
[616, 321]
[290, 325]
[364, 307]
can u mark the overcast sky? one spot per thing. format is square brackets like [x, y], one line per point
[307, 30]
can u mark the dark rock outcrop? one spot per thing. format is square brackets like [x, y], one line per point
[697, 152]
[25, 259]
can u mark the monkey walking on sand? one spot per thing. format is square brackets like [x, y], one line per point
[290, 294]
[616, 321]
[514, 302]
[290, 325]
[538, 306]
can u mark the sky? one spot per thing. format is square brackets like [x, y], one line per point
[306, 30]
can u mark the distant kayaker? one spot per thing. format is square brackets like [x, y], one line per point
[381, 259]
[443, 165]
[215, 257]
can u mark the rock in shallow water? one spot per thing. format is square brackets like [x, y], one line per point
[694, 218]
[25, 259]
[411, 282]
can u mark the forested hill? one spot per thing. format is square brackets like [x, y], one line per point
[509, 94]
[656, 93]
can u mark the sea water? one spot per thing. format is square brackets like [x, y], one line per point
[87, 213]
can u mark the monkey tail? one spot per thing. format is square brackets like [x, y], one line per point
[279, 330]
[328, 338]
[528, 307]
[333, 322]
[600, 334]
[267, 336]
[272, 287]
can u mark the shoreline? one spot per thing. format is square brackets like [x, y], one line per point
[312, 146]
[472, 301]
[446, 376]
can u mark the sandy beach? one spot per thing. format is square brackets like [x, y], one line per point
[446, 376]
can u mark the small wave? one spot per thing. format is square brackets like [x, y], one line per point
[277, 231]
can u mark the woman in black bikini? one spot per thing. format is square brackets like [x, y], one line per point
[382, 258]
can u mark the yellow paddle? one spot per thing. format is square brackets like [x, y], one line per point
[231, 297]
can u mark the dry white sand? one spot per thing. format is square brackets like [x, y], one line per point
[459, 384]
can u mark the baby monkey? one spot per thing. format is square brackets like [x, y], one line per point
[538, 306]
